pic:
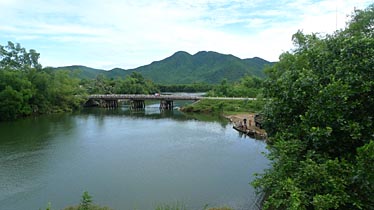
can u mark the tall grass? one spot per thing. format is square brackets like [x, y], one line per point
[175, 206]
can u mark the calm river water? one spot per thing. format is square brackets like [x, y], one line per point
[126, 160]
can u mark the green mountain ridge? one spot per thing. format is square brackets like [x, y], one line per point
[184, 68]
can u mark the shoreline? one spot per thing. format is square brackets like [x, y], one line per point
[237, 119]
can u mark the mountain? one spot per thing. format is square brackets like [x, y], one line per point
[183, 68]
[80, 71]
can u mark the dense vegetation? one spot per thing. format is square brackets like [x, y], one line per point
[205, 67]
[189, 88]
[246, 87]
[183, 68]
[224, 106]
[26, 89]
[250, 87]
[320, 121]
[132, 84]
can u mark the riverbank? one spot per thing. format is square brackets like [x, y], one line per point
[250, 126]
[224, 107]
[235, 111]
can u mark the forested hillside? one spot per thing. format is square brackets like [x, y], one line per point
[208, 67]
[183, 68]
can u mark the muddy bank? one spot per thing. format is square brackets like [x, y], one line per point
[250, 126]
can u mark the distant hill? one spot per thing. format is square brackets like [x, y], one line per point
[183, 68]
[81, 71]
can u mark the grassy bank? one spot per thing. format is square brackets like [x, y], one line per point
[86, 203]
[224, 107]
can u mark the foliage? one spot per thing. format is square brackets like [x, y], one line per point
[320, 121]
[175, 206]
[15, 57]
[191, 88]
[207, 67]
[86, 201]
[224, 106]
[49, 207]
[132, 84]
[220, 208]
[183, 68]
[246, 87]
[92, 207]
[181, 206]
[86, 204]
[25, 89]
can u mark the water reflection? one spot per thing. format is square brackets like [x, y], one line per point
[126, 159]
[24, 150]
[153, 112]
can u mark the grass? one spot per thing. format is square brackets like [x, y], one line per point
[175, 206]
[181, 206]
[92, 207]
[224, 106]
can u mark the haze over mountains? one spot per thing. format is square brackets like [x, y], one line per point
[184, 68]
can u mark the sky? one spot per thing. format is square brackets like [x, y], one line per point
[132, 33]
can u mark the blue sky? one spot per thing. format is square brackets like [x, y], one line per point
[132, 33]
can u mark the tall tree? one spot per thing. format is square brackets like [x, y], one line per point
[320, 121]
[27, 89]
[15, 57]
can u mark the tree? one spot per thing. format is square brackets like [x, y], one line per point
[64, 90]
[15, 57]
[10, 103]
[320, 121]
[248, 86]
[41, 99]
[15, 93]
[86, 201]
[27, 89]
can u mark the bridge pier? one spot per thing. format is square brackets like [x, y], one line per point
[137, 104]
[137, 100]
[109, 104]
[166, 104]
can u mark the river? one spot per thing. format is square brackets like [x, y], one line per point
[126, 160]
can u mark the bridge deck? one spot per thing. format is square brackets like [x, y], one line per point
[159, 97]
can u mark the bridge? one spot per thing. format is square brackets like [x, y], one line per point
[137, 100]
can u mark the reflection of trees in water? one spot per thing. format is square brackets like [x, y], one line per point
[25, 147]
[30, 133]
[251, 137]
[208, 118]
[153, 113]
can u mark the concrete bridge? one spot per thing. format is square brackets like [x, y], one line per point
[137, 100]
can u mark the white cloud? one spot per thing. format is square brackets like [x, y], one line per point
[130, 33]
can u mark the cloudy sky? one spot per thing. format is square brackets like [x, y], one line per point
[131, 33]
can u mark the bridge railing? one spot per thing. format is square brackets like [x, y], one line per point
[143, 97]
[160, 97]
